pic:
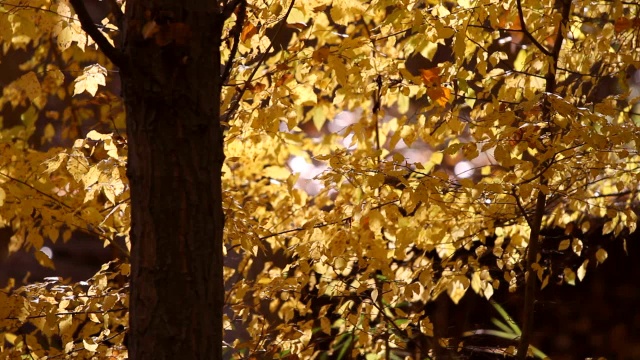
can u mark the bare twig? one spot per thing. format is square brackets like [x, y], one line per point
[235, 33]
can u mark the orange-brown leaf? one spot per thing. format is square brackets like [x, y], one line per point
[430, 76]
[247, 32]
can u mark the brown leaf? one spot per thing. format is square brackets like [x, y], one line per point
[247, 32]
[321, 55]
[622, 24]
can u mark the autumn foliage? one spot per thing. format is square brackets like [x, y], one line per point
[379, 155]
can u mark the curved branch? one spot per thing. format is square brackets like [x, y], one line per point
[115, 55]
[530, 36]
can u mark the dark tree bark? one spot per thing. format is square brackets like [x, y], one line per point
[170, 69]
[172, 92]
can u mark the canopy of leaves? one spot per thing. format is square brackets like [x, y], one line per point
[459, 115]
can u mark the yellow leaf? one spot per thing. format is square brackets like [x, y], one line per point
[488, 291]
[608, 227]
[564, 245]
[77, 166]
[91, 177]
[304, 95]
[344, 12]
[3, 195]
[436, 158]
[374, 295]
[92, 76]
[519, 63]
[457, 288]
[601, 255]
[296, 16]
[325, 325]
[276, 172]
[44, 260]
[577, 246]
[426, 327]
[30, 85]
[90, 345]
[545, 282]
[569, 276]
[54, 163]
[49, 133]
[376, 221]
[582, 270]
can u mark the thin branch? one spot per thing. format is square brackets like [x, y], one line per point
[236, 101]
[60, 203]
[520, 206]
[48, 196]
[347, 220]
[115, 55]
[235, 33]
[523, 24]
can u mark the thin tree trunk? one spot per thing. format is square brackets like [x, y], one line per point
[536, 225]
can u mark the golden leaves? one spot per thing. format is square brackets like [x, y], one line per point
[344, 12]
[92, 76]
[83, 316]
[388, 214]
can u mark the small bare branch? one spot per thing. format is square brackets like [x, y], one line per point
[235, 34]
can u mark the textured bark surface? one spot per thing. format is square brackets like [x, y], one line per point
[172, 90]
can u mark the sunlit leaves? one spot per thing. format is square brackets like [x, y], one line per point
[92, 76]
[343, 12]
[89, 310]
[383, 154]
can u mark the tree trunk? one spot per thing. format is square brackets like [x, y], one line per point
[172, 94]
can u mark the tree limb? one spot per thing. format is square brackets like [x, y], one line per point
[115, 55]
